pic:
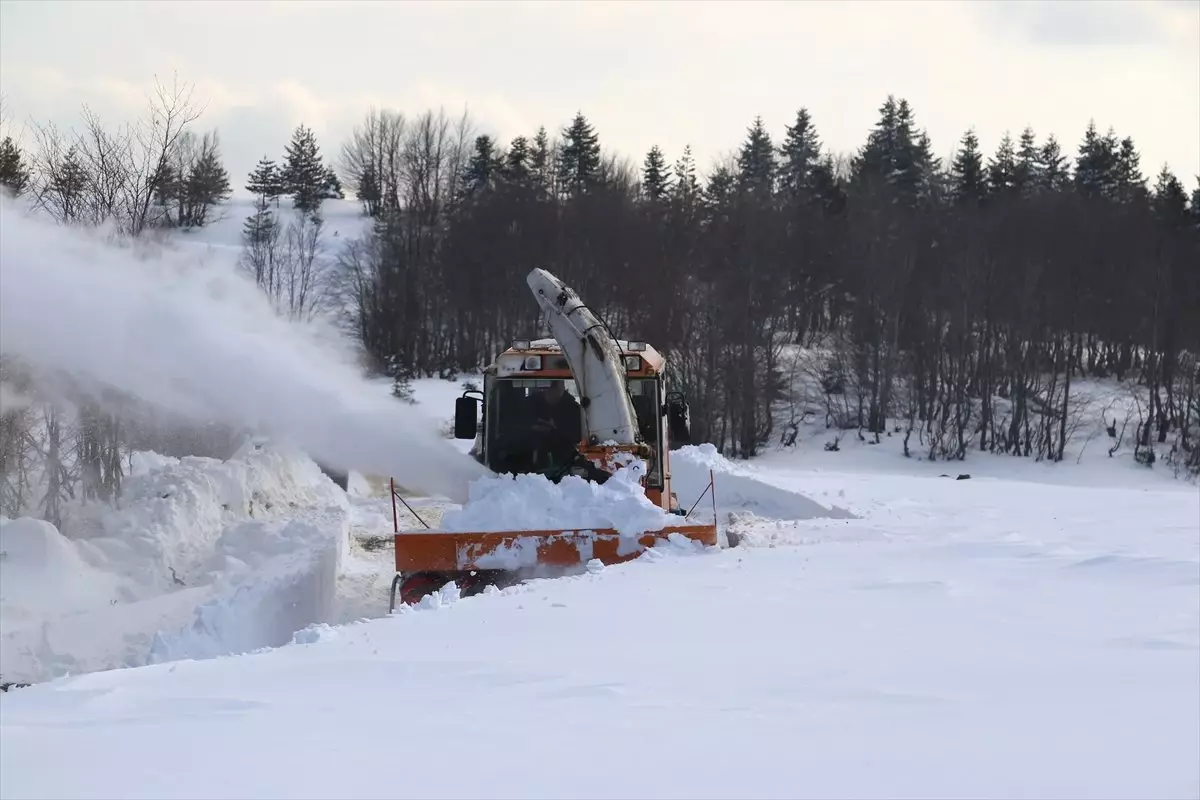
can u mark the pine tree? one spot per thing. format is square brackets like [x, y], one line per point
[516, 163]
[333, 185]
[1195, 206]
[14, 173]
[579, 158]
[266, 181]
[719, 190]
[259, 226]
[873, 161]
[303, 175]
[539, 158]
[1028, 172]
[1130, 183]
[206, 185]
[656, 180]
[824, 185]
[1096, 163]
[169, 191]
[1170, 199]
[969, 184]
[67, 185]
[801, 156]
[1002, 168]
[1053, 175]
[756, 161]
[685, 187]
[896, 154]
[483, 168]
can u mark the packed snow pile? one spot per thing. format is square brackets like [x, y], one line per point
[740, 488]
[196, 548]
[531, 502]
[173, 511]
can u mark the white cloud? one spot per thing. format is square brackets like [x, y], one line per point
[644, 73]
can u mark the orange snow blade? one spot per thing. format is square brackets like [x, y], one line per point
[438, 551]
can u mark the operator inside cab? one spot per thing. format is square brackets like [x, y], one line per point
[557, 423]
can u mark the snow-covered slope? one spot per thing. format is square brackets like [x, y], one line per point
[341, 220]
[983, 638]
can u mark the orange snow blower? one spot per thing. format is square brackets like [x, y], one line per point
[582, 404]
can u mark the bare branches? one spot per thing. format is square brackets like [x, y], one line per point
[290, 263]
[101, 175]
[371, 160]
[152, 140]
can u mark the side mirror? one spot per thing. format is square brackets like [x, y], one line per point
[466, 417]
[677, 419]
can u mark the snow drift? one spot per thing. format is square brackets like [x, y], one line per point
[201, 558]
[201, 340]
[739, 488]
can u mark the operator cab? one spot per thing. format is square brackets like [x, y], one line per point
[532, 381]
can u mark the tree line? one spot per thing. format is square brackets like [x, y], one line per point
[956, 304]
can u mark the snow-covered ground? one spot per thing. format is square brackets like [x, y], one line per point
[882, 631]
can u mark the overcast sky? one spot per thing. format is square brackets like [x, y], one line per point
[670, 73]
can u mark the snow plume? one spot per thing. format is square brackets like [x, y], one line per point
[11, 399]
[198, 339]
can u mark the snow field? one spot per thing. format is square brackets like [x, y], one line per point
[989, 639]
[876, 634]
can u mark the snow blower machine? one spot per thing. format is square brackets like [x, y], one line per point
[583, 404]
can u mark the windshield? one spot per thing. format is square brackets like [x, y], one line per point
[514, 403]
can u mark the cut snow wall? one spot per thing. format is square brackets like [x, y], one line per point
[268, 604]
[257, 542]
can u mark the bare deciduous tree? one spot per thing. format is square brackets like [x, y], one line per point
[100, 176]
[371, 161]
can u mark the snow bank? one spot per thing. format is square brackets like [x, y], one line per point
[531, 502]
[284, 578]
[214, 556]
[172, 511]
[738, 488]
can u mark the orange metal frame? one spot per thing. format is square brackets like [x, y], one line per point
[439, 551]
